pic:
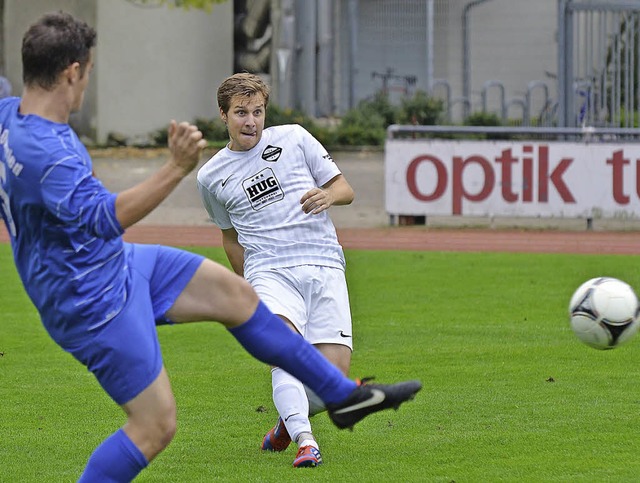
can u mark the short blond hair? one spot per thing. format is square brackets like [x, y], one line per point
[243, 85]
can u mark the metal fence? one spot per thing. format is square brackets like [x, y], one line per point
[596, 80]
[598, 47]
[566, 63]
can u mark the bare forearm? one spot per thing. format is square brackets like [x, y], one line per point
[341, 192]
[185, 145]
[133, 204]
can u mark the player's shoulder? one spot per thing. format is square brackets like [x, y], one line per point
[35, 135]
[213, 165]
[8, 109]
[285, 129]
[10, 103]
[292, 133]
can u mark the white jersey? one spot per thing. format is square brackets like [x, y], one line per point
[258, 193]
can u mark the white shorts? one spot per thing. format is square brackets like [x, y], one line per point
[314, 298]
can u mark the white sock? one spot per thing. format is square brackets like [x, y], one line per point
[291, 402]
[308, 442]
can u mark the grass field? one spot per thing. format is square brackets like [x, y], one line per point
[509, 393]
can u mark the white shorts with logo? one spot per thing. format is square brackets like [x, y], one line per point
[314, 298]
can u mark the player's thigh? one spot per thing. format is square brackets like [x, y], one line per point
[214, 293]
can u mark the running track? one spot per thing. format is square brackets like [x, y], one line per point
[421, 238]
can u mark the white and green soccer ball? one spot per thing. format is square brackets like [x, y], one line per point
[604, 312]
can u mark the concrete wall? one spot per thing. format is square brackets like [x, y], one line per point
[158, 64]
[152, 64]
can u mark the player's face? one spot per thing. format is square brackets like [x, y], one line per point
[245, 121]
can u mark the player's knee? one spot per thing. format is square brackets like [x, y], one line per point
[246, 291]
[241, 294]
[164, 424]
[167, 432]
[165, 428]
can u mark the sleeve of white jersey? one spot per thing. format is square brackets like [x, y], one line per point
[217, 212]
[320, 162]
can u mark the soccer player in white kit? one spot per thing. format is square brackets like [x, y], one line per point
[269, 191]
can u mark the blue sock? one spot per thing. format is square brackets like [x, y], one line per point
[266, 337]
[117, 459]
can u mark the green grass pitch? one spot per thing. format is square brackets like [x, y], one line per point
[509, 393]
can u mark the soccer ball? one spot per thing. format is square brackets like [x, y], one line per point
[604, 312]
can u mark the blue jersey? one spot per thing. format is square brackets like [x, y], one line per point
[65, 237]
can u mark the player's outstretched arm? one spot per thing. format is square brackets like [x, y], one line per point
[185, 147]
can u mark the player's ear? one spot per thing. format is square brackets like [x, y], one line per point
[72, 74]
[223, 116]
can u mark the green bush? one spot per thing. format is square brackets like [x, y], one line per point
[420, 109]
[361, 126]
[355, 135]
[326, 135]
[212, 129]
[364, 125]
[483, 119]
[277, 116]
[380, 105]
[161, 136]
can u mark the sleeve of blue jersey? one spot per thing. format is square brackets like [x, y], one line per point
[73, 195]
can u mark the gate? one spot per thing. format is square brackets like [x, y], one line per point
[598, 68]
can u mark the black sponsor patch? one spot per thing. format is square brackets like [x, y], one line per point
[263, 189]
[271, 153]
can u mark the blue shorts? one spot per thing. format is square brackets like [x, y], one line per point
[124, 354]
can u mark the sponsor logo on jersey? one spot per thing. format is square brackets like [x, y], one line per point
[271, 153]
[263, 189]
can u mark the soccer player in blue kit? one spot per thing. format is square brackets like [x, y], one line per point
[100, 298]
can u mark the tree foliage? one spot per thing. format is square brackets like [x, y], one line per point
[186, 4]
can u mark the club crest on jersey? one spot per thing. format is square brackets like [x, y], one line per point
[263, 189]
[271, 153]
